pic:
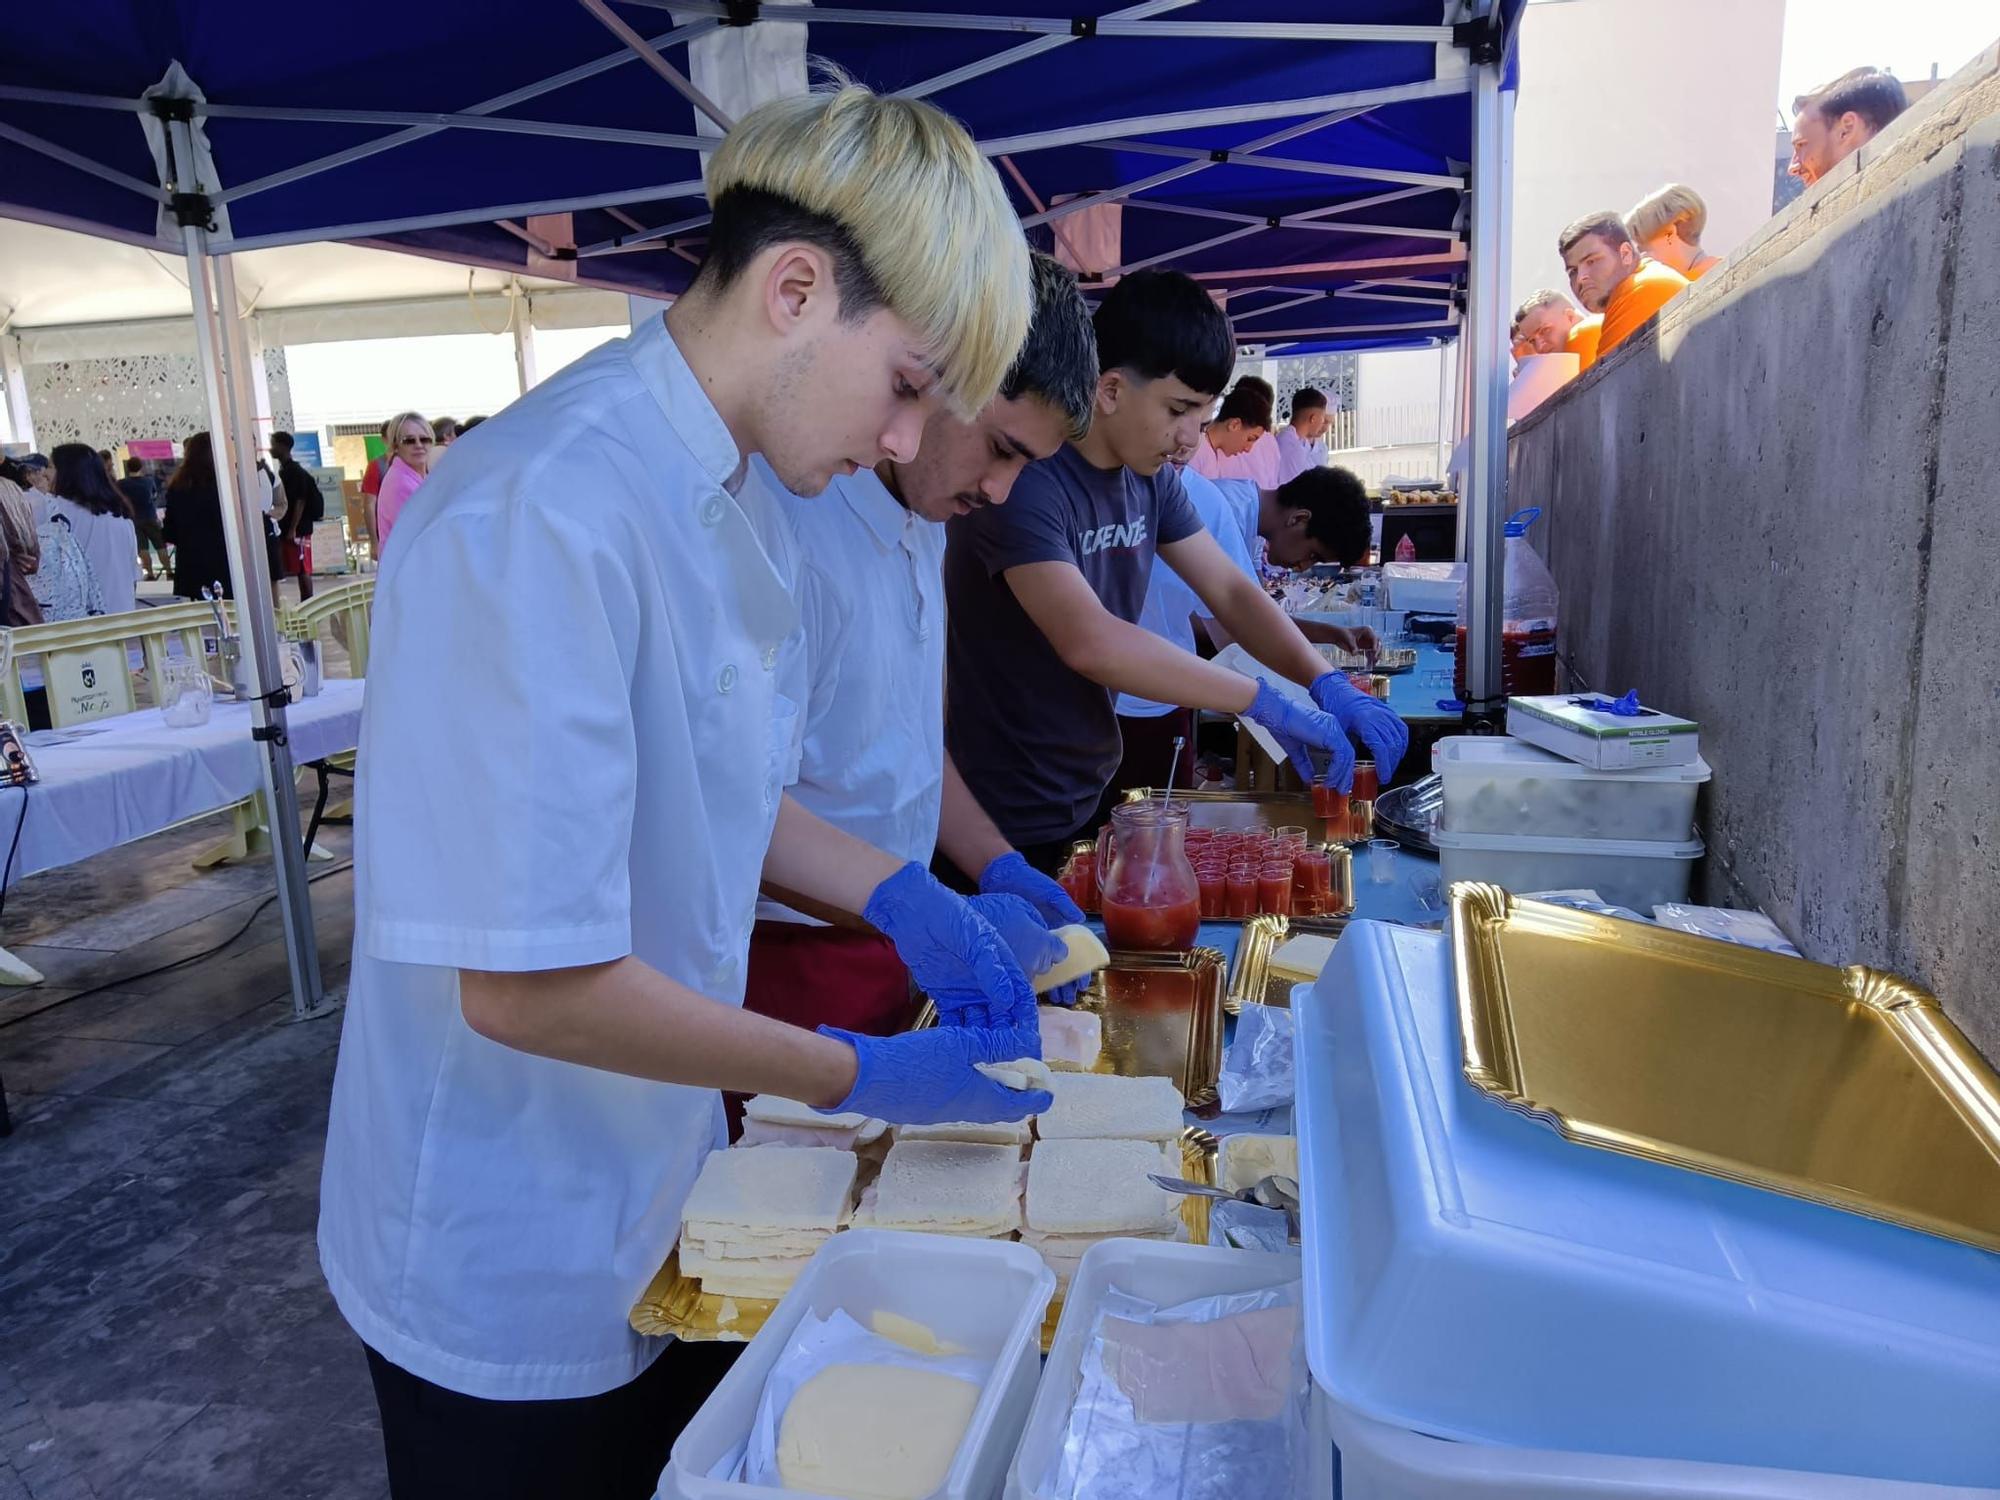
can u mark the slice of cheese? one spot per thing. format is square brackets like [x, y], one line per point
[917, 1337]
[874, 1432]
[1084, 954]
[1102, 1106]
[776, 1109]
[1246, 1159]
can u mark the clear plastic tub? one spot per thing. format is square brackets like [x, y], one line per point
[1507, 786]
[1380, 1462]
[1622, 872]
[1429, 588]
[1161, 1273]
[1472, 1275]
[985, 1296]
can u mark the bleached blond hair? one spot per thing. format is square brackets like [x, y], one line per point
[925, 211]
[1676, 203]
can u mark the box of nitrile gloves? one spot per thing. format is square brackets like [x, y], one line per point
[1605, 735]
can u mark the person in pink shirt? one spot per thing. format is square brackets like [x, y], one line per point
[410, 445]
[1229, 445]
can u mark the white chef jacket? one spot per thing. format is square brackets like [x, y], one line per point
[871, 603]
[1296, 455]
[572, 750]
[1170, 602]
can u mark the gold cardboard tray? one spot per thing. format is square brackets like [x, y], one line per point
[1259, 977]
[1848, 1087]
[1269, 810]
[1163, 1018]
[675, 1306]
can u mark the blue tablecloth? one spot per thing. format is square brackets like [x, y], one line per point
[1412, 698]
[1398, 901]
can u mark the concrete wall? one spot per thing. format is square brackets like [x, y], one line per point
[1619, 97]
[1779, 513]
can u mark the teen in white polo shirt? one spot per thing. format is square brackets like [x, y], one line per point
[571, 766]
[871, 591]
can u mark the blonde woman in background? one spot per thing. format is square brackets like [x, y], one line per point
[411, 442]
[1668, 226]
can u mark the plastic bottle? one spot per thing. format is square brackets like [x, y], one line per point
[1528, 615]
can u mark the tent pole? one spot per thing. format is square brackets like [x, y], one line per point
[1486, 378]
[235, 465]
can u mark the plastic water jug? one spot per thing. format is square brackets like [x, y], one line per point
[1528, 615]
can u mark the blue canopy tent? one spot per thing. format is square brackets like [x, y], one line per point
[1334, 170]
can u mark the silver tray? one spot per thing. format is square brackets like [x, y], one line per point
[1409, 814]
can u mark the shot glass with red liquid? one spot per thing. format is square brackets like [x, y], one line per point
[1239, 895]
[1274, 888]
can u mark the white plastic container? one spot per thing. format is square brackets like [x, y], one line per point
[1428, 588]
[1505, 786]
[1625, 872]
[1379, 1462]
[985, 1296]
[1472, 1275]
[1161, 1273]
[1600, 740]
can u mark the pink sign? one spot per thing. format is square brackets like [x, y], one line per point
[151, 448]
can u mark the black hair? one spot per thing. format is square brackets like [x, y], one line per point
[1153, 324]
[1245, 404]
[1305, 399]
[1877, 97]
[468, 424]
[747, 221]
[282, 440]
[80, 477]
[134, 466]
[1607, 226]
[104, 455]
[13, 473]
[1058, 363]
[1337, 510]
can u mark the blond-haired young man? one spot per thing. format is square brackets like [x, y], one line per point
[1668, 225]
[577, 734]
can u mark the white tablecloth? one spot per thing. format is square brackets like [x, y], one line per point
[123, 778]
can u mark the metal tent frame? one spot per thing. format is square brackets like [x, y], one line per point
[1431, 268]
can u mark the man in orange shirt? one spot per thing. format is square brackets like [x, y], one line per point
[1667, 225]
[1610, 276]
[1838, 119]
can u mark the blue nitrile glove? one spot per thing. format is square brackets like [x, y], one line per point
[1377, 725]
[1298, 729]
[927, 1077]
[1027, 936]
[953, 953]
[1012, 875]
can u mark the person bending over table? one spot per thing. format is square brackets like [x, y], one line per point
[1045, 592]
[572, 768]
[1320, 516]
[871, 749]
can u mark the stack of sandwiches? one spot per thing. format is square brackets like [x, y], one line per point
[772, 1120]
[754, 1218]
[966, 1188]
[1088, 1176]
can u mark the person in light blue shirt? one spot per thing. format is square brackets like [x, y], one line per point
[1320, 517]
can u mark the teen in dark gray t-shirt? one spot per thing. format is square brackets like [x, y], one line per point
[1044, 594]
[1037, 740]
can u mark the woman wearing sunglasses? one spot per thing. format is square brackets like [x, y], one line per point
[410, 444]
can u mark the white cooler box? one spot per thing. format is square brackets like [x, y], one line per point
[1473, 1276]
[986, 1296]
[1498, 785]
[1429, 588]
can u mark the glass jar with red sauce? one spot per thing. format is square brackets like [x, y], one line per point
[1148, 893]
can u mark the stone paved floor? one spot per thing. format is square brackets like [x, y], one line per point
[164, 1330]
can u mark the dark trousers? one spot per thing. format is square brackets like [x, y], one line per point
[443, 1445]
